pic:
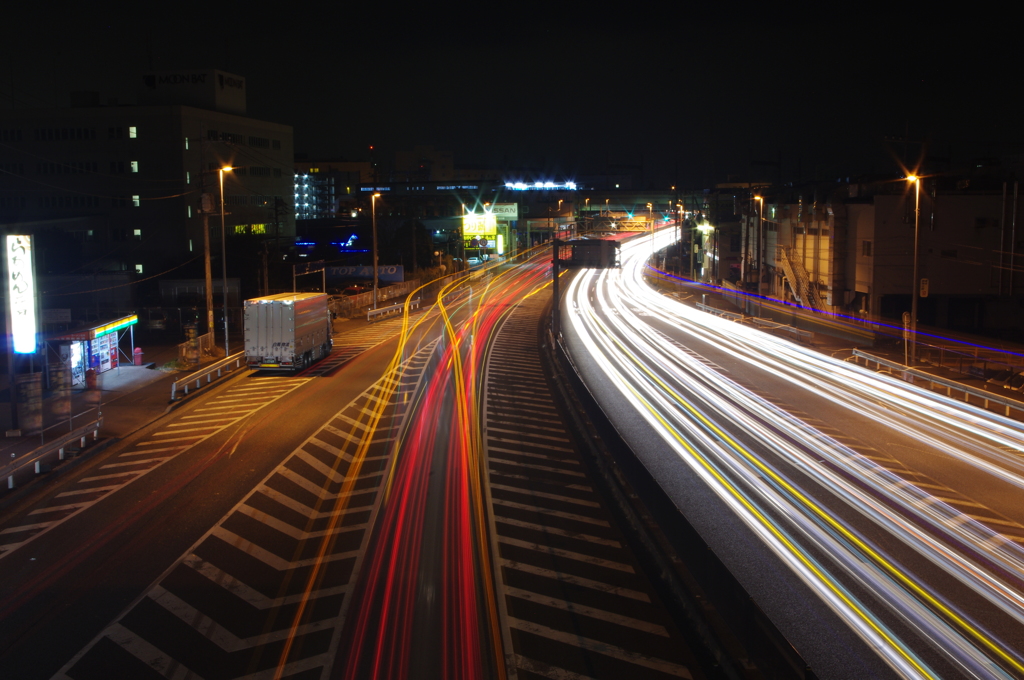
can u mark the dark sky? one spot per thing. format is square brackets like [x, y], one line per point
[698, 97]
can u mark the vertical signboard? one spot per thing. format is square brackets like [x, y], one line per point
[21, 288]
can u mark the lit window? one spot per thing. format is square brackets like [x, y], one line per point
[188, 177]
[138, 234]
[138, 269]
[190, 245]
[186, 144]
[135, 166]
[136, 200]
[133, 133]
[190, 211]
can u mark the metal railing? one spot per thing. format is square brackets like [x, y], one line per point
[36, 461]
[374, 314]
[950, 385]
[734, 316]
[769, 325]
[763, 324]
[195, 380]
[205, 347]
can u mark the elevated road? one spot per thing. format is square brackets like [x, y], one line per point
[878, 524]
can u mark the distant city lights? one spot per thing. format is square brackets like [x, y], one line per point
[540, 186]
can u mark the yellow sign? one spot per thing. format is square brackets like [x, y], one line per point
[479, 225]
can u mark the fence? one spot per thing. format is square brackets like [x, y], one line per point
[348, 305]
[205, 348]
[38, 461]
[968, 391]
[195, 380]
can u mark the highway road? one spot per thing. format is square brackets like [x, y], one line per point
[411, 507]
[878, 524]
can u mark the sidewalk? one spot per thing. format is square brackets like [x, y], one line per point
[149, 389]
[130, 397]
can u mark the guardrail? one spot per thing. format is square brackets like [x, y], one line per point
[768, 324]
[719, 312]
[374, 314]
[950, 385]
[36, 461]
[195, 380]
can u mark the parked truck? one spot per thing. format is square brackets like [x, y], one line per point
[288, 331]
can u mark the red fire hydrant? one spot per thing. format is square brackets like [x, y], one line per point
[138, 356]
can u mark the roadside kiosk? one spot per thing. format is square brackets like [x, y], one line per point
[96, 348]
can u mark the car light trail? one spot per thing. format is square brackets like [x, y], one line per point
[442, 438]
[618, 319]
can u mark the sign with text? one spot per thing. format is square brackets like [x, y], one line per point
[392, 273]
[475, 224]
[21, 289]
[508, 211]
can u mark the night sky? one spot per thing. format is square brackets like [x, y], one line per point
[692, 99]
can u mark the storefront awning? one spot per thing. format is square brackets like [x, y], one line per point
[95, 332]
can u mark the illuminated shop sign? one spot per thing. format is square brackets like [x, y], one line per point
[479, 225]
[21, 287]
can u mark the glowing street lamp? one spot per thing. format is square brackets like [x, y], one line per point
[915, 289]
[373, 214]
[224, 257]
[760, 241]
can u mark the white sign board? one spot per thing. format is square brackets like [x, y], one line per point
[21, 288]
[508, 211]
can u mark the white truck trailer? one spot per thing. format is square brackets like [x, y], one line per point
[288, 331]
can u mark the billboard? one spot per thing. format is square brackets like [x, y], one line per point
[508, 211]
[21, 293]
[480, 225]
[392, 273]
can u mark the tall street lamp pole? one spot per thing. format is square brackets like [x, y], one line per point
[760, 250]
[760, 241]
[916, 287]
[224, 257]
[373, 211]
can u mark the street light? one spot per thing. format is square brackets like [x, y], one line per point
[916, 286]
[760, 242]
[373, 212]
[224, 257]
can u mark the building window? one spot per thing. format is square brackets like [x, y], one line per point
[135, 166]
[865, 248]
[136, 200]
[138, 269]
[138, 234]
[133, 132]
[190, 212]
[186, 144]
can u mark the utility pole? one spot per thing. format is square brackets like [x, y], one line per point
[205, 208]
[207, 198]
[554, 288]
